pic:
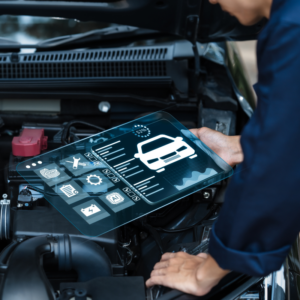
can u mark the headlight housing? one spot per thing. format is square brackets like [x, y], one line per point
[151, 161]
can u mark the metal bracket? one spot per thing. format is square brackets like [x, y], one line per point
[191, 32]
[14, 58]
[4, 201]
[4, 217]
[191, 29]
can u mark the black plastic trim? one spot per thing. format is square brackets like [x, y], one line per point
[101, 68]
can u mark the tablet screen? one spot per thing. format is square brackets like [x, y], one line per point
[112, 178]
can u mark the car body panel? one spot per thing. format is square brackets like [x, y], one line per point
[193, 19]
[238, 73]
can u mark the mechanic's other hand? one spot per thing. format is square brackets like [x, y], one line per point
[227, 147]
[195, 275]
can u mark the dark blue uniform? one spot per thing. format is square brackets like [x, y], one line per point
[260, 218]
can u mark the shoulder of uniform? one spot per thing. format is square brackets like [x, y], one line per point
[287, 13]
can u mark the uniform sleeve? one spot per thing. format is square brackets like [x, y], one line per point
[260, 218]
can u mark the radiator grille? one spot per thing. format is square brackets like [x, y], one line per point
[99, 55]
[82, 70]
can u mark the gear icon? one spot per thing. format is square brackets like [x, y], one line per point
[94, 182]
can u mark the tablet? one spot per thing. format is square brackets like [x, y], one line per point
[112, 178]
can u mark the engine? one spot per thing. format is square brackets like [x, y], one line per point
[42, 255]
[41, 248]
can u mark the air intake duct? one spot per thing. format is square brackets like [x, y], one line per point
[25, 277]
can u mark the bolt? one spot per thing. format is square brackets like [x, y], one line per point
[69, 292]
[143, 235]
[80, 294]
[104, 106]
[206, 195]
[56, 293]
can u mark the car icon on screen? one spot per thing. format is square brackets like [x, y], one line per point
[163, 150]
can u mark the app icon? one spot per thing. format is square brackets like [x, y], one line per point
[49, 174]
[93, 179]
[91, 210]
[95, 182]
[106, 171]
[115, 198]
[163, 150]
[92, 158]
[76, 163]
[127, 190]
[69, 190]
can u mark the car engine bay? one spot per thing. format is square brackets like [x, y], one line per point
[40, 249]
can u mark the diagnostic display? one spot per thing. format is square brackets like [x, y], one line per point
[119, 175]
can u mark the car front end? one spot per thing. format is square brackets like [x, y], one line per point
[68, 76]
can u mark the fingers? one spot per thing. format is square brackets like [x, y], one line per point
[201, 132]
[159, 276]
[173, 260]
[162, 277]
[160, 272]
[157, 280]
[194, 131]
[167, 256]
[203, 255]
[161, 265]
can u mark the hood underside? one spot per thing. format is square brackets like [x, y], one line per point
[194, 20]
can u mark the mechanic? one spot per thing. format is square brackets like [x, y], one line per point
[259, 220]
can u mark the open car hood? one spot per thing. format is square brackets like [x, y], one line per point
[194, 20]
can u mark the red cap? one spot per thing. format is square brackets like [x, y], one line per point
[30, 143]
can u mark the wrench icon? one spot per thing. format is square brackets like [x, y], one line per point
[76, 162]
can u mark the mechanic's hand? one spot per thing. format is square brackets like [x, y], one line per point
[195, 275]
[227, 147]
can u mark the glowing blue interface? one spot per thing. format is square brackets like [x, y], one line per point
[107, 180]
